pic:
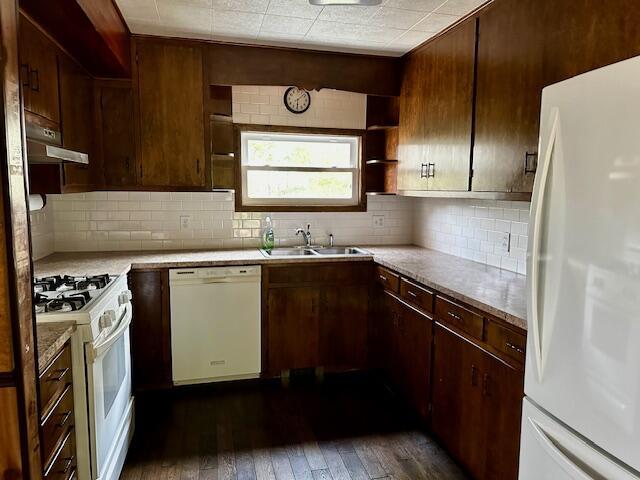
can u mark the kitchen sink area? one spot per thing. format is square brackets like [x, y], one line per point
[313, 251]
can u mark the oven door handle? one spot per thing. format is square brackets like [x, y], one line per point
[95, 351]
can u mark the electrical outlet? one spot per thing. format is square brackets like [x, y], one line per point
[378, 220]
[505, 243]
[185, 222]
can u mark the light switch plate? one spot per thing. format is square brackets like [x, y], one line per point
[378, 220]
[185, 222]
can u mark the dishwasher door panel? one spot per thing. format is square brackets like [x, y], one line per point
[215, 331]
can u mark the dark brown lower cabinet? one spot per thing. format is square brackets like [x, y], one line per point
[476, 406]
[315, 316]
[151, 329]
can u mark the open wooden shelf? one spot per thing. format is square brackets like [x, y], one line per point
[381, 168]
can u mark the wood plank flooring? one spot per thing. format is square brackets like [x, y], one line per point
[348, 428]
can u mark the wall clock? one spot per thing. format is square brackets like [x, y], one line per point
[297, 100]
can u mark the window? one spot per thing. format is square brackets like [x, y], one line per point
[300, 169]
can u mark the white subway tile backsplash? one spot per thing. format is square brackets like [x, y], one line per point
[483, 222]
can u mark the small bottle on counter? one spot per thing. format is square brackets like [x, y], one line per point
[268, 239]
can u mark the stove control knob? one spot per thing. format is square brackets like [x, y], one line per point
[107, 319]
[125, 297]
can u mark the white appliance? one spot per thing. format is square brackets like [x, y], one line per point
[581, 417]
[215, 324]
[104, 408]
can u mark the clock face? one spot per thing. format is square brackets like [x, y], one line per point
[297, 100]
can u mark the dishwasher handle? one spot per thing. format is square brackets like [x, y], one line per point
[205, 275]
[212, 280]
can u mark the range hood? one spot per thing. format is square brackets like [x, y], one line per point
[45, 146]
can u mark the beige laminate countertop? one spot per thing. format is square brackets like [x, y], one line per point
[51, 337]
[498, 292]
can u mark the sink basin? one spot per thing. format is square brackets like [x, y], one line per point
[340, 251]
[313, 251]
[288, 252]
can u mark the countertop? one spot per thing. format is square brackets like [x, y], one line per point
[495, 291]
[51, 337]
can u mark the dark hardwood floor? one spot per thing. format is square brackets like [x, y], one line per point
[348, 428]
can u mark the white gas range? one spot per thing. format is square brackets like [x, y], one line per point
[100, 305]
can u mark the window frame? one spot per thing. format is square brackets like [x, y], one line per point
[300, 205]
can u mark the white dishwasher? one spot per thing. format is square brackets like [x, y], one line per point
[215, 324]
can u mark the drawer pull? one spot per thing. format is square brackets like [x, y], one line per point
[454, 316]
[65, 418]
[56, 378]
[486, 381]
[383, 278]
[514, 347]
[414, 295]
[63, 444]
[474, 375]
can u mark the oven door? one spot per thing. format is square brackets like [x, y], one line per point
[108, 362]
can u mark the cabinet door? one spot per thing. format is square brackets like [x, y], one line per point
[509, 88]
[170, 87]
[115, 121]
[457, 416]
[38, 73]
[78, 122]
[150, 329]
[383, 332]
[293, 335]
[503, 388]
[343, 327]
[414, 352]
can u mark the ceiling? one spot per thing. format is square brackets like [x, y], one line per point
[393, 28]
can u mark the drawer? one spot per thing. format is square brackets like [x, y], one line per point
[417, 295]
[63, 463]
[54, 379]
[459, 317]
[55, 424]
[505, 340]
[344, 273]
[389, 280]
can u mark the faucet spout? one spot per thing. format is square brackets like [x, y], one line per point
[306, 235]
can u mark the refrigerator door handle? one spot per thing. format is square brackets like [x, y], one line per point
[537, 207]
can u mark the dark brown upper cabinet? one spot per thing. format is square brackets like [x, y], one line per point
[436, 106]
[115, 127]
[169, 78]
[38, 75]
[509, 85]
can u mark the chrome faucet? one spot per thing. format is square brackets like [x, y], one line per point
[306, 235]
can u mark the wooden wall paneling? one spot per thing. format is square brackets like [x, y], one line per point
[509, 87]
[92, 31]
[15, 253]
[10, 443]
[170, 90]
[250, 65]
[114, 107]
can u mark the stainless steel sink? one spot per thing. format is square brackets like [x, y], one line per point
[288, 252]
[340, 251]
[313, 251]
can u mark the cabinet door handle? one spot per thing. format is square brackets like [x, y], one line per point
[24, 74]
[383, 278]
[424, 170]
[454, 316]
[56, 378]
[474, 376]
[414, 295]
[486, 384]
[431, 170]
[34, 80]
[530, 162]
[514, 347]
[197, 165]
[65, 417]
[68, 462]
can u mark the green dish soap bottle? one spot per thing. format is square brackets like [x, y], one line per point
[268, 240]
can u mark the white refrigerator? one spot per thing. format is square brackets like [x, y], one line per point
[581, 414]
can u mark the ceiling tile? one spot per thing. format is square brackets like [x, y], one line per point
[235, 22]
[418, 5]
[185, 18]
[435, 22]
[460, 7]
[335, 30]
[294, 8]
[255, 6]
[396, 18]
[139, 9]
[288, 25]
[145, 27]
[347, 13]
[191, 3]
